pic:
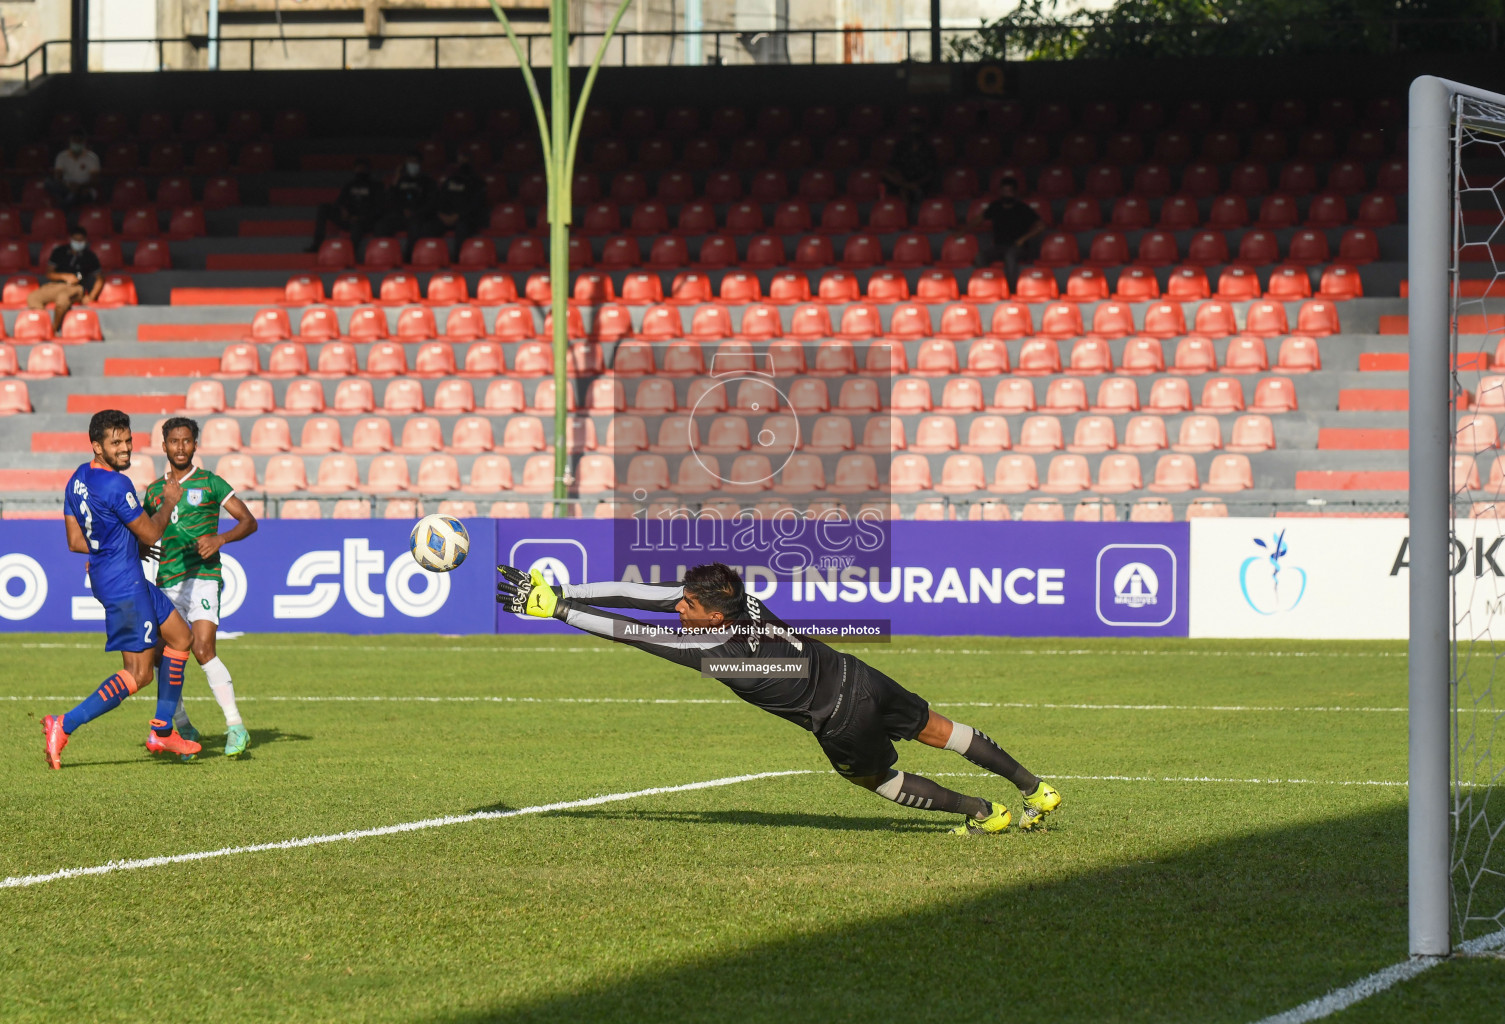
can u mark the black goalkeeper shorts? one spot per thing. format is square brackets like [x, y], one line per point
[873, 712]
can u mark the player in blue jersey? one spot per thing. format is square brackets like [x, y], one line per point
[105, 521]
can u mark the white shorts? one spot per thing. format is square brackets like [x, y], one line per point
[195, 598]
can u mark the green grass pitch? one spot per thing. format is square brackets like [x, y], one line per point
[1183, 880]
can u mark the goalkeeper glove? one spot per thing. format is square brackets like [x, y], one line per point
[526, 594]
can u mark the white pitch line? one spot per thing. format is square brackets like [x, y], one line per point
[1192, 778]
[1379, 981]
[1026, 705]
[21, 881]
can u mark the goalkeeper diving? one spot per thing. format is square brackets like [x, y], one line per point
[854, 711]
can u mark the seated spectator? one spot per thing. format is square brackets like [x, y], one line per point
[459, 206]
[912, 171]
[72, 277]
[1014, 224]
[409, 198]
[75, 174]
[357, 209]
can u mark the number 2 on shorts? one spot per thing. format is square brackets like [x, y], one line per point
[147, 638]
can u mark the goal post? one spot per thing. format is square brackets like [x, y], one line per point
[1453, 868]
[1429, 269]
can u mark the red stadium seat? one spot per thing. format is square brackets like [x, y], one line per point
[1013, 396]
[354, 396]
[1246, 354]
[1252, 433]
[1199, 434]
[1289, 282]
[1168, 395]
[1065, 396]
[1116, 395]
[1090, 356]
[1222, 395]
[1229, 473]
[1039, 357]
[1145, 434]
[1175, 474]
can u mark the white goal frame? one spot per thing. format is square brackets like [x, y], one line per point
[1432, 273]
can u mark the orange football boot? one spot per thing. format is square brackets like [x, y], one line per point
[170, 744]
[54, 739]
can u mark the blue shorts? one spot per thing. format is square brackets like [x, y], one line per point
[134, 622]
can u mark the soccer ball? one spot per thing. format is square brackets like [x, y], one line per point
[440, 543]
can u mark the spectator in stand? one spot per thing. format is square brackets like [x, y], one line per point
[73, 277]
[913, 169]
[1014, 224]
[459, 206]
[357, 209]
[75, 174]
[409, 197]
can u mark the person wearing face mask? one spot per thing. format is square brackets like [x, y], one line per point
[72, 278]
[75, 174]
[459, 206]
[409, 199]
[356, 210]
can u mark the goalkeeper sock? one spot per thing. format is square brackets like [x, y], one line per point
[920, 792]
[169, 689]
[224, 692]
[977, 747]
[109, 695]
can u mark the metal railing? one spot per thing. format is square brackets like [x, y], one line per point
[488, 49]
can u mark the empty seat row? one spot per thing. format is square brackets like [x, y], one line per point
[752, 396]
[661, 184]
[42, 361]
[763, 322]
[192, 124]
[1307, 247]
[730, 434]
[50, 224]
[934, 286]
[937, 357]
[954, 116]
[801, 473]
[35, 325]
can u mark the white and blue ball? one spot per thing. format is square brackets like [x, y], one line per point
[440, 543]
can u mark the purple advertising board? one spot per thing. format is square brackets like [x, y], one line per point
[355, 576]
[991, 579]
[325, 576]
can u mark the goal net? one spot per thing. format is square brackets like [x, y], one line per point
[1476, 391]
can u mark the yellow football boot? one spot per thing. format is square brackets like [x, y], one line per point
[1044, 800]
[994, 823]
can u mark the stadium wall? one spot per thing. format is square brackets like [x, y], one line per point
[388, 103]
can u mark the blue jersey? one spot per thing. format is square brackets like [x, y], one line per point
[104, 502]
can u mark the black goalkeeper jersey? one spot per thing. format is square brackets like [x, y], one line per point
[754, 637]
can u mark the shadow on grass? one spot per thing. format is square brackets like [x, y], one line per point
[213, 747]
[829, 822]
[1228, 931]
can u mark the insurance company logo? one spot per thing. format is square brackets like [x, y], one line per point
[560, 559]
[1268, 586]
[1136, 585]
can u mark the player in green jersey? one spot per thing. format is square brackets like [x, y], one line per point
[189, 570]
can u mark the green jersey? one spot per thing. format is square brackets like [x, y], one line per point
[197, 515]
